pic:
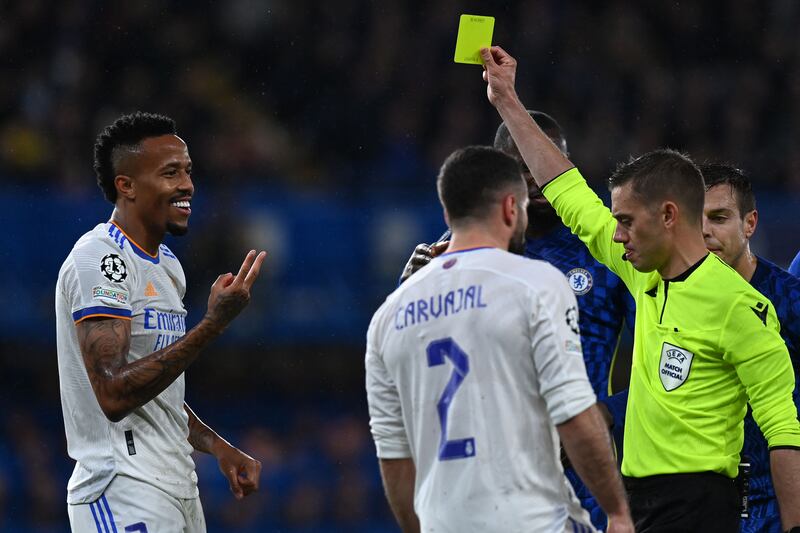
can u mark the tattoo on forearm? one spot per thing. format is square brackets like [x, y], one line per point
[127, 385]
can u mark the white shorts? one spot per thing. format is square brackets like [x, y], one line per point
[132, 506]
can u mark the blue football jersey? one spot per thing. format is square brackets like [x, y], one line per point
[603, 299]
[783, 290]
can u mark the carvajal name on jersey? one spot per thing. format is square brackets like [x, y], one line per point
[447, 304]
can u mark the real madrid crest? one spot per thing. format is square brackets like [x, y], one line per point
[580, 280]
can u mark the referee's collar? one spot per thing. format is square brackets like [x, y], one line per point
[686, 273]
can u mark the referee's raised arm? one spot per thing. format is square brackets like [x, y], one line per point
[691, 374]
[543, 158]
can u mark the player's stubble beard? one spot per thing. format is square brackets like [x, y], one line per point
[541, 219]
[177, 230]
[516, 245]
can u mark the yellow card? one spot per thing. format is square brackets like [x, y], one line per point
[474, 33]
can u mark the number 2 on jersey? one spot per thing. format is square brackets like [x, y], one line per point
[438, 351]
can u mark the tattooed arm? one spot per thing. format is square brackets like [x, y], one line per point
[241, 470]
[121, 386]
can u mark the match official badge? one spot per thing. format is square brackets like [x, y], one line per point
[675, 365]
[580, 280]
[113, 268]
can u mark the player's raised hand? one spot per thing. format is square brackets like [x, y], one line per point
[230, 294]
[500, 70]
[421, 256]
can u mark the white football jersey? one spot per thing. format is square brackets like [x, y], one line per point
[107, 274]
[470, 365]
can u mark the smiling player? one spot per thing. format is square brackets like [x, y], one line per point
[123, 346]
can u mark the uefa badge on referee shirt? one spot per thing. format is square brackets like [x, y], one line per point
[675, 365]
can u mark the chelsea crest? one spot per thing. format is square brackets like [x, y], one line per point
[580, 280]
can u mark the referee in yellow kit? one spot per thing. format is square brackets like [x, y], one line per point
[705, 341]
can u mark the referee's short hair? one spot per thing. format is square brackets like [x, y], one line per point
[472, 179]
[662, 175]
[724, 173]
[505, 143]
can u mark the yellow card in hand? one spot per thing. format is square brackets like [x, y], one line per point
[474, 33]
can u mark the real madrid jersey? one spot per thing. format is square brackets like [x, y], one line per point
[470, 365]
[108, 275]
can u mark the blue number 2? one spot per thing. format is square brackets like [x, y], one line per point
[438, 350]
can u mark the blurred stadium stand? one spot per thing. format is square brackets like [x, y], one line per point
[316, 129]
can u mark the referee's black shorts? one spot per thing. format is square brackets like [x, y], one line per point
[684, 503]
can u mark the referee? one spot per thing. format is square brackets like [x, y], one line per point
[705, 341]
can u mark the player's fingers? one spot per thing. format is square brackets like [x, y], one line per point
[439, 248]
[246, 264]
[255, 269]
[421, 259]
[223, 280]
[488, 60]
[502, 57]
[253, 472]
[233, 481]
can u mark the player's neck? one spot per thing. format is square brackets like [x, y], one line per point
[137, 231]
[746, 264]
[467, 239]
[686, 253]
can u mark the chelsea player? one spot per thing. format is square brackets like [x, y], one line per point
[729, 221]
[603, 299]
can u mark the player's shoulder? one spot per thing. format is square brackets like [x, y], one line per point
[533, 273]
[93, 245]
[769, 274]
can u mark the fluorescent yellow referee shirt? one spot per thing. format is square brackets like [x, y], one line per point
[702, 347]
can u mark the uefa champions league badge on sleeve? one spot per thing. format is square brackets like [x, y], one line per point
[580, 280]
[113, 268]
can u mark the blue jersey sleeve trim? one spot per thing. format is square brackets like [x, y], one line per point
[80, 314]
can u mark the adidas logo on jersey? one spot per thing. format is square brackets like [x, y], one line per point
[150, 291]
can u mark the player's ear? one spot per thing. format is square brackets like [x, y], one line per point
[669, 213]
[750, 223]
[125, 187]
[509, 208]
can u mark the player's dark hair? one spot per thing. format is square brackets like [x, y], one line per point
[664, 175]
[724, 173]
[551, 128]
[471, 179]
[121, 137]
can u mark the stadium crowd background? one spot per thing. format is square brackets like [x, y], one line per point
[316, 129]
